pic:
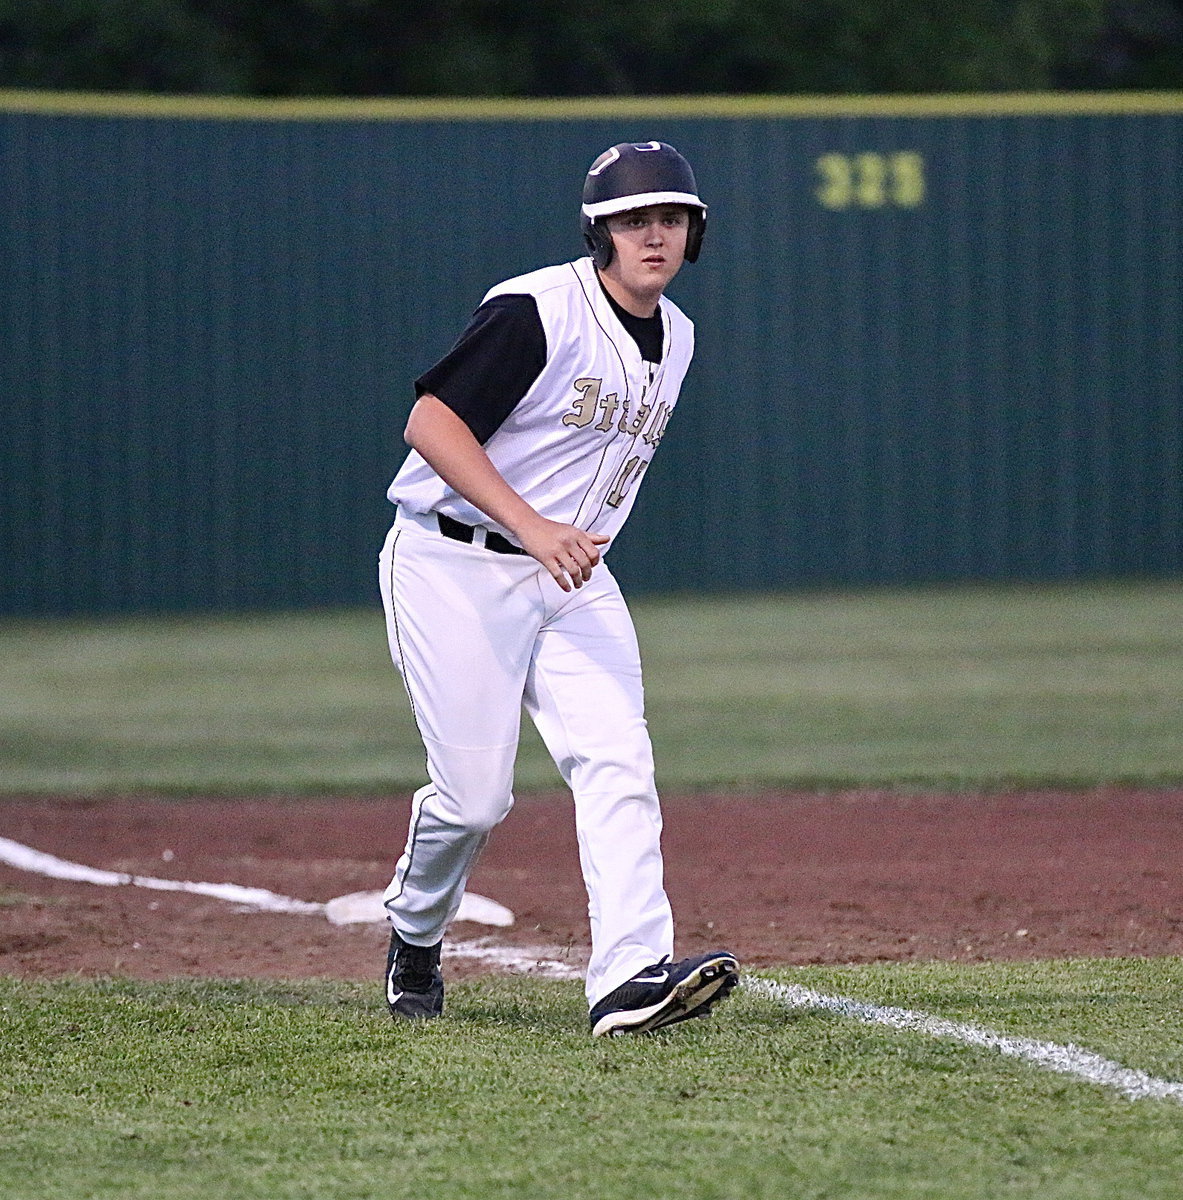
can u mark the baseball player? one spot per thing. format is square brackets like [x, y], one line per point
[529, 440]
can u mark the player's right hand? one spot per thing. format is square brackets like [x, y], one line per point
[568, 553]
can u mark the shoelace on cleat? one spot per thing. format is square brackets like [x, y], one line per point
[415, 967]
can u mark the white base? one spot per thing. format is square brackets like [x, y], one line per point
[359, 908]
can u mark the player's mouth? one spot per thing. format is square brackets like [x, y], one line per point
[654, 260]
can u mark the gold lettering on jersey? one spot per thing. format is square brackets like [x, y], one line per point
[633, 427]
[656, 430]
[585, 405]
[609, 403]
[628, 476]
[588, 402]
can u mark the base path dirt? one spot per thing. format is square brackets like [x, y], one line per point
[778, 878]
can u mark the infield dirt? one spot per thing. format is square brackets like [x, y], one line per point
[778, 878]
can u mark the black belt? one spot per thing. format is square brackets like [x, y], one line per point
[459, 532]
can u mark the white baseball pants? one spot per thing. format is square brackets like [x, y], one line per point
[476, 635]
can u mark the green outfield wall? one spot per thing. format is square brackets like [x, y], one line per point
[939, 337]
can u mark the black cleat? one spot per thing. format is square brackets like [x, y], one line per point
[414, 984]
[666, 993]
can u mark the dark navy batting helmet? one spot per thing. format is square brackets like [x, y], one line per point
[636, 175]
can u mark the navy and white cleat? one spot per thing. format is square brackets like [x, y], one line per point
[414, 983]
[665, 994]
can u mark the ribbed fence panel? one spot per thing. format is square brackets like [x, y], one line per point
[932, 345]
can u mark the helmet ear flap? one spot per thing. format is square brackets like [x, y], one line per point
[599, 243]
[694, 234]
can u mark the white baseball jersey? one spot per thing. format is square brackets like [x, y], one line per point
[570, 396]
[578, 442]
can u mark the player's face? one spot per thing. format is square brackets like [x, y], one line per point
[650, 245]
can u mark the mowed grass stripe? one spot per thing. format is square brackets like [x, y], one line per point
[951, 687]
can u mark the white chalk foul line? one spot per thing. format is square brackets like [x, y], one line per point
[28, 859]
[514, 958]
[1065, 1059]
[355, 908]
[366, 906]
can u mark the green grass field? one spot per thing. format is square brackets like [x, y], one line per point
[942, 687]
[180, 1090]
[186, 1090]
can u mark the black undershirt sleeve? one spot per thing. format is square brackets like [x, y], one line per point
[492, 366]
